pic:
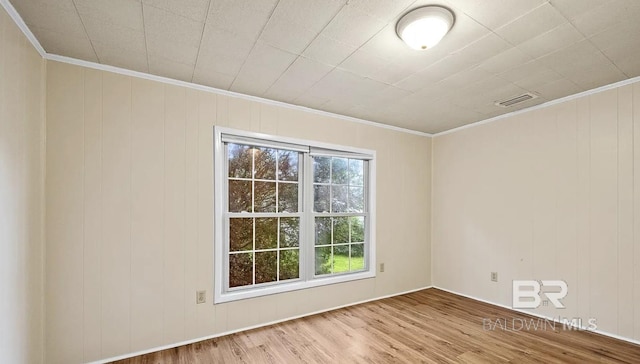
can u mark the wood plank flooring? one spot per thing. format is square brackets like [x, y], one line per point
[429, 326]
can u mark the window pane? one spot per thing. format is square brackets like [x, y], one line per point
[357, 229]
[339, 171]
[265, 160]
[339, 198]
[287, 197]
[240, 269]
[240, 234]
[321, 169]
[266, 267]
[239, 196]
[356, 172]
[289, 264]
[356, 199]
[266, 233]
[289, 232]
[265, 196]
[323, 230]
[287, 165]
[357, 257]
[323, 260]
[321, 198]
[340, 230]
[340, 258]
[239, 160]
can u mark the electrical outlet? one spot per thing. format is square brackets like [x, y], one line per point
[201, 297]
[494, 276]
[381, 267]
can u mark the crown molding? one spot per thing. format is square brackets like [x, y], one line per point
[13, 13]
[542, 106]
[195, 86]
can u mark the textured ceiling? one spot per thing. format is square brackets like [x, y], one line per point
[344, 56]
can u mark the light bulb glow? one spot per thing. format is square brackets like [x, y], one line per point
[423, 28]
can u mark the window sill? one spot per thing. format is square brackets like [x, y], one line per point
[287, 287]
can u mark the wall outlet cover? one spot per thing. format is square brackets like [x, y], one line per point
[201, 297]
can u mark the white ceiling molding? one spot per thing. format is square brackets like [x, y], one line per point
[23, 27]
[122, 71]
[147, 76]
[542, 106]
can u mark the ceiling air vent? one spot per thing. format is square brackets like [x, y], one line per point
[516, 100]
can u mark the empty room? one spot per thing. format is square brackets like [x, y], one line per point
[319, 181]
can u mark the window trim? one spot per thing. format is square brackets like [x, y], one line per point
[306, 280]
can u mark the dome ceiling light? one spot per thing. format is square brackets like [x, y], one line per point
[422, 28]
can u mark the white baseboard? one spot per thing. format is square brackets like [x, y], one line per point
[187, 342]
[599, 332]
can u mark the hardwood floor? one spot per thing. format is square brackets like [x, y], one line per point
[429, 326]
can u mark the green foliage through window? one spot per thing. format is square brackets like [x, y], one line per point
[263, 249]
[265, 217]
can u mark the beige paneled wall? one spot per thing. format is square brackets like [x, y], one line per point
[547, 194]
[21, 196]
[130, 213]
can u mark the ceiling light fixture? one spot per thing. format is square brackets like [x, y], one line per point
[423, 28]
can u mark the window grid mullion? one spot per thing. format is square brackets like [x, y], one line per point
[349, 220]
[310, 222]
[277, 183]
[367, 184]
[253, 251]
[261, 214]
[261, 250]
[330, 185]
[331, 209]
[339, 214]
[253, 209]
[226, 233]
[277, 245]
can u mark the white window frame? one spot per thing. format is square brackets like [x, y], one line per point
[307, 278]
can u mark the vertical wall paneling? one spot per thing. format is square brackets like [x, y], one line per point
[583, 260]
[544, 197]
[422, 168]
[221, 112]
[32, 303]
[174, 213]
[576, 170]
[65, 215]
[603, 208]
[566, 201]
[92, 222]
[147, 214]
[22, 106]
[206, 119]
[241, 112]
[636, 208]
[116, 215]
[625, 211]
[191, 284]
[268, 119]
